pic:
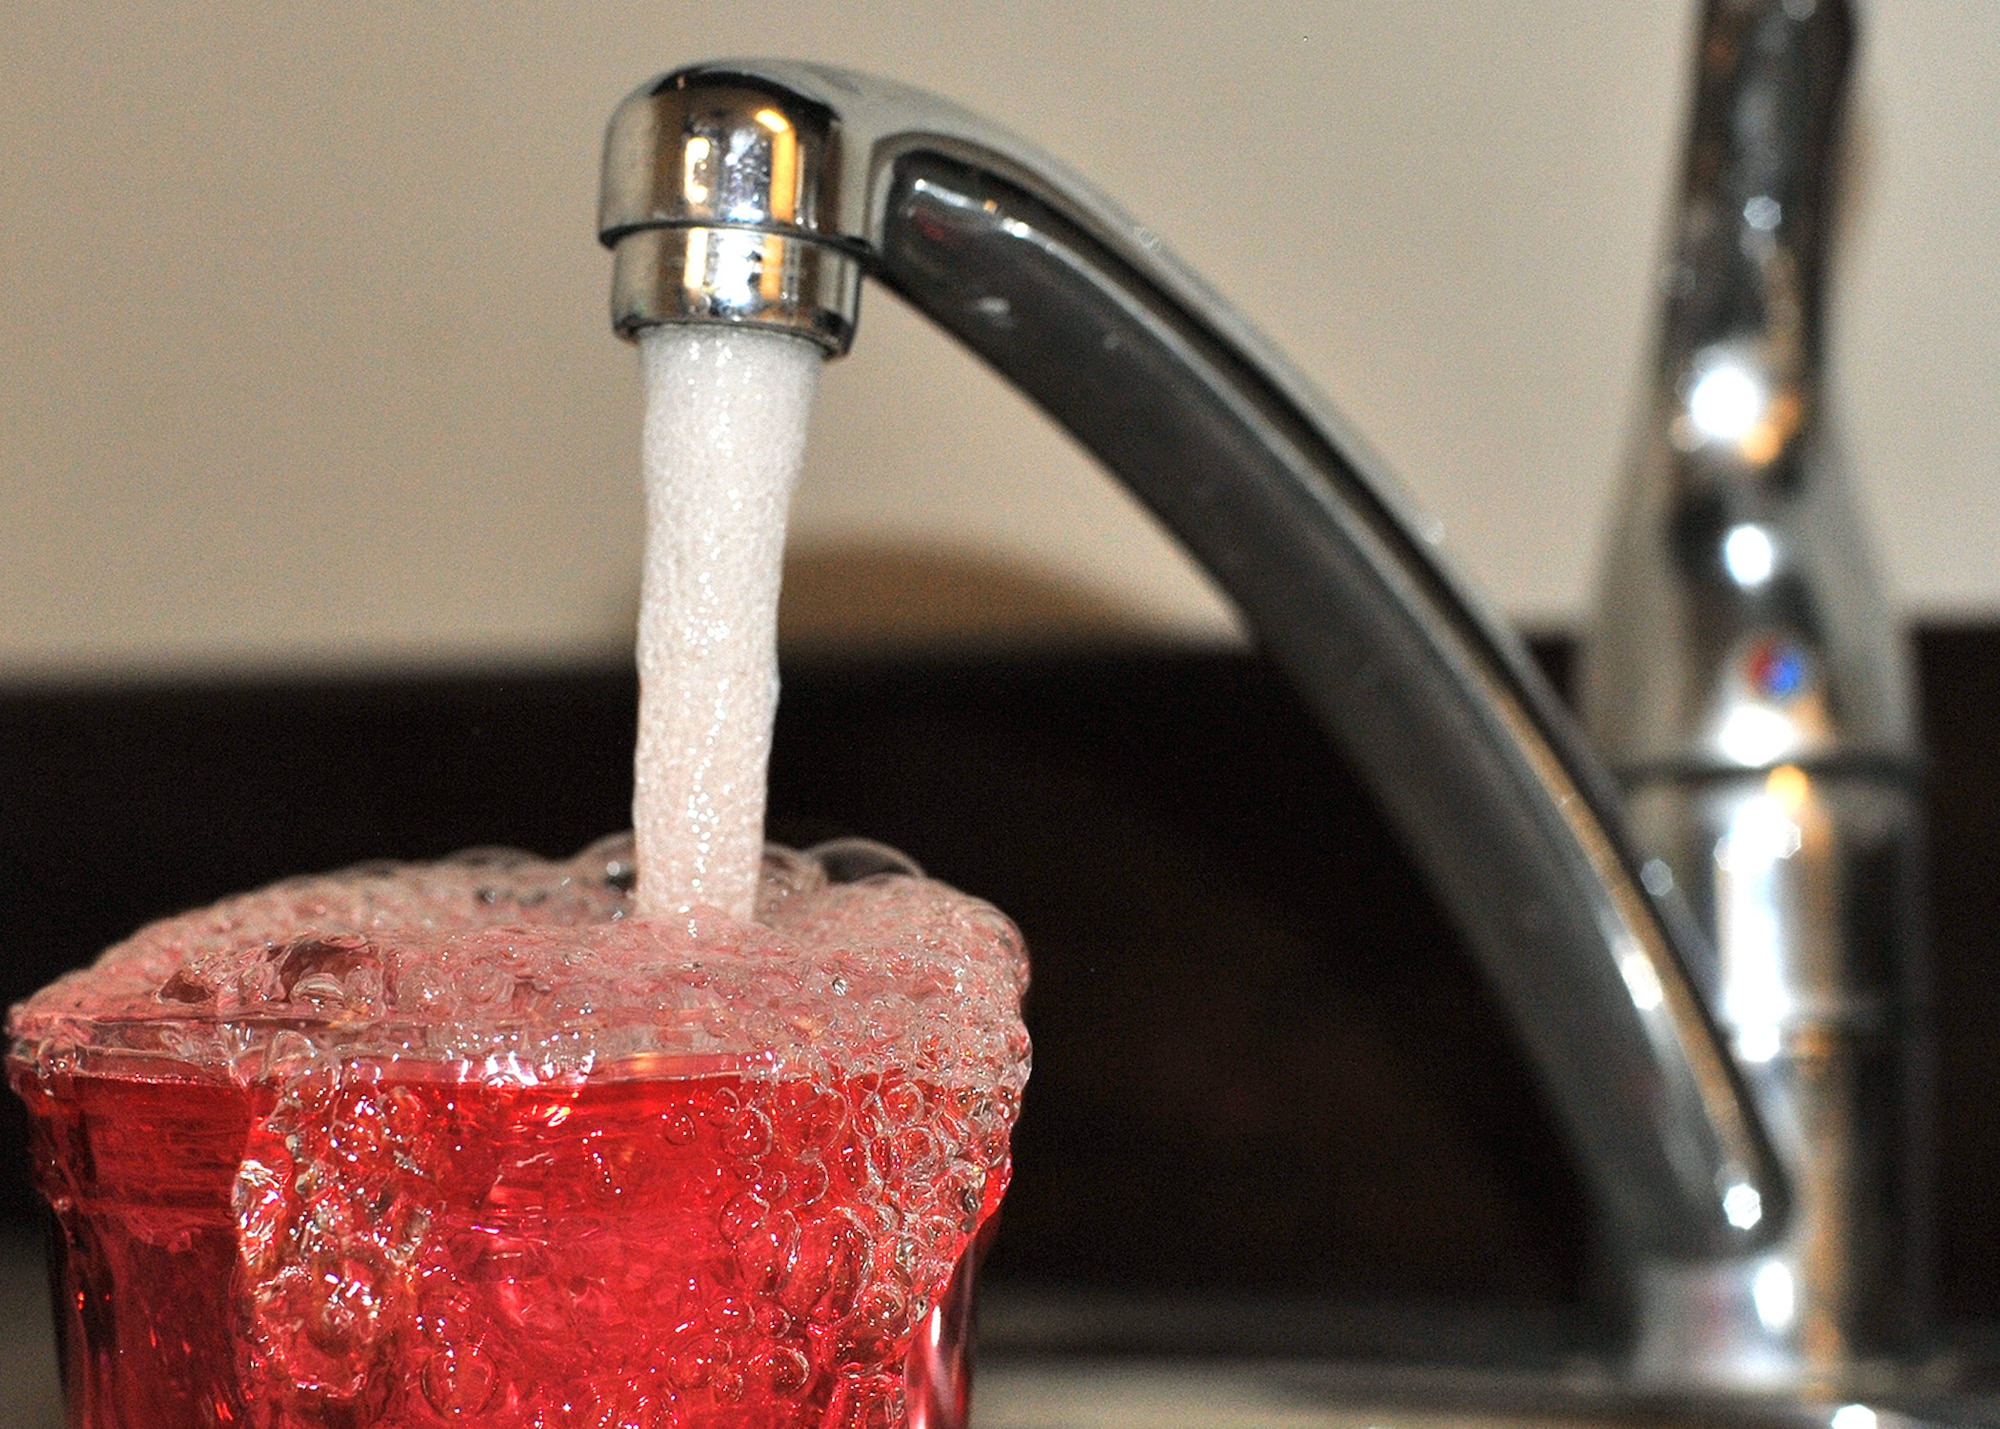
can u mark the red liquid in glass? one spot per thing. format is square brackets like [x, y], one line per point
[372, 1248]
[465, 1143]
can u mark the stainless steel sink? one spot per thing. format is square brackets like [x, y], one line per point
[1064, 1360]
[1198, 1394]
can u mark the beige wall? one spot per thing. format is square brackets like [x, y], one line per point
[302, 342]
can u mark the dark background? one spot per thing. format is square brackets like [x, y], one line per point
[1265, 1067]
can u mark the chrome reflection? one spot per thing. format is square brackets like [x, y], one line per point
[1775, 1293]
[714, 200]
[736, 275]
[1743, 1205]
[1789, 863]
[1726, 401]
[1753, 910]
[1801, 875]
[1749, 554]
[1769, 704]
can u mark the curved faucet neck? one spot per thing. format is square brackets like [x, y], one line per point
[1438, 705]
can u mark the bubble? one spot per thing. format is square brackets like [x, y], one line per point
[786, 874]
[186, 986]
[866, 1401]
[696, 1367]
[730, 1313]
[885, 1309]
[609, 1167]
[749, 1133]
[678, 1128]
[458, 1379]
[611, 861]
[851, 860]
[810, 1181]
[833, 1263]
[784, 1369]
[919, 1154]
[744, 1213]
[902, 1103]
[767, 1252]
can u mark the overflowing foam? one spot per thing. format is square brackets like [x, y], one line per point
[726, 413]
[539, 970]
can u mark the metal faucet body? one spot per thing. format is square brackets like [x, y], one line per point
[1746, 682]
[759, 193]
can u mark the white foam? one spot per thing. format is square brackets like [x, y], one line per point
[499, 958]
[726, 412]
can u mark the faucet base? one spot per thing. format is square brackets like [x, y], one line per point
[1747, 1327]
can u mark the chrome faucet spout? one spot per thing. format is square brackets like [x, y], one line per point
[758, 192]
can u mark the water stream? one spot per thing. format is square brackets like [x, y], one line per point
[725, 427]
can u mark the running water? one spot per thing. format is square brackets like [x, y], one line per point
[726, 412]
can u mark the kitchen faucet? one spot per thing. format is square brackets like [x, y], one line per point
[759, 193]
[1745, 680]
